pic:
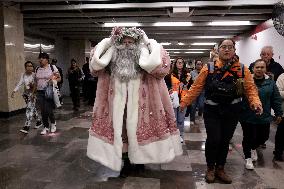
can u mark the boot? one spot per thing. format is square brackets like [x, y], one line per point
[210, 174]
[220, 174]
[127, 167]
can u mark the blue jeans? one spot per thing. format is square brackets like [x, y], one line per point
[46, 109]
[180, 116]
[199, 102]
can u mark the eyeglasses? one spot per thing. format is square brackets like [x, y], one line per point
[229, 47]
[265, 54]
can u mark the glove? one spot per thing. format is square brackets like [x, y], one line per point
[145, 38]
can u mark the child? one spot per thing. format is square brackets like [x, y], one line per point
[28, 80]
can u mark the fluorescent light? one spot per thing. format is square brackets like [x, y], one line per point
[165, 43]
[10, 44]
[229, 23]
[31, 46]
[199, 49]
[173, 24]
[47, 47]
[187, 49]
[180, 43]
[176, 52]
[129, 24]
[194, 52]
[203, 43]
[213, 37]
[7, 26]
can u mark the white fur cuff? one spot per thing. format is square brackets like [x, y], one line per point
[150, 61]
[98, 62]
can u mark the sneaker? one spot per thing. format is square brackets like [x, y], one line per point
[38, 125]
[44, 131]
[254, 155]
[181, 139]
[53, 127]
[25, 130]
[230, 147]
[249, 164]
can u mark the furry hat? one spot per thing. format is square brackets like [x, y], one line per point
[118, 33]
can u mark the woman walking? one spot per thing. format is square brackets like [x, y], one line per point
[253, 124]
[222, 82]
[180, 80]
[75, 76]
[46, 74]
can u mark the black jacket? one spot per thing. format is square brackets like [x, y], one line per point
[274, 69]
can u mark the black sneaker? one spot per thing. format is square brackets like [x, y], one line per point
[25, 130]
[38, 125]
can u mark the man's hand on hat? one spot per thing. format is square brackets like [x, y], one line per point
[146, 40]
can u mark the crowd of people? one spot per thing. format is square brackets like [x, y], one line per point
[226, 93]
[143, 99]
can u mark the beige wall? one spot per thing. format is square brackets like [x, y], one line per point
[12, 57]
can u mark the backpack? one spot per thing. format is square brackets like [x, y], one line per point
[51, 67]
[223, 90]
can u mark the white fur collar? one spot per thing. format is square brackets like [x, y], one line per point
[150, 60]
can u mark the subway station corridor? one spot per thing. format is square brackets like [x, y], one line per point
[59, 161]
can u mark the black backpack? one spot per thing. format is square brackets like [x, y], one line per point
[222, 90]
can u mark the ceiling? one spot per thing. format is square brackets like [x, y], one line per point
[77, 19]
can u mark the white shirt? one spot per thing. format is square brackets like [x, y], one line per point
[43, 76]
[25, 80]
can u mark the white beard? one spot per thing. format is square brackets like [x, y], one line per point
[124, 64]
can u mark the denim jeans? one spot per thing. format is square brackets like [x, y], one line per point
[46, 108]
[198, 103]
[180, 116]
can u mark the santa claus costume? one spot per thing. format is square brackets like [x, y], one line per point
[132, 107]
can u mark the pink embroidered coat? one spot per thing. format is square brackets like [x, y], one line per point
[143, 104]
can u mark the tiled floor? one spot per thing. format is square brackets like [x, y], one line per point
[58, 161]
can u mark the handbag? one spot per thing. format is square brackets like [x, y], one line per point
[56, 95]
[174, 99]
[49, 91]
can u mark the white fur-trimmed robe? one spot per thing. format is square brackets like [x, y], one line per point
[150, 121]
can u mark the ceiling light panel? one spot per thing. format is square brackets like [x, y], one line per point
[173, 24]
[128, 24]
[230, 23]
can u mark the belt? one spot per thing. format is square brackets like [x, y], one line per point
[210, 102]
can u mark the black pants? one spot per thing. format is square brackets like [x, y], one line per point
[253, 136]
[220, 123]
[91, 91]
[75, 95]
[279, 139]
[46, 108]
[264, 133]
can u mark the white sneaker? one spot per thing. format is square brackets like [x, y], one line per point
[181, 139]
[44, 131]
[249, 164]
[254, 155]
[53, 127]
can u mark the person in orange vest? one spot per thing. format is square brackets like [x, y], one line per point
[225, 82]
[180, 80]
